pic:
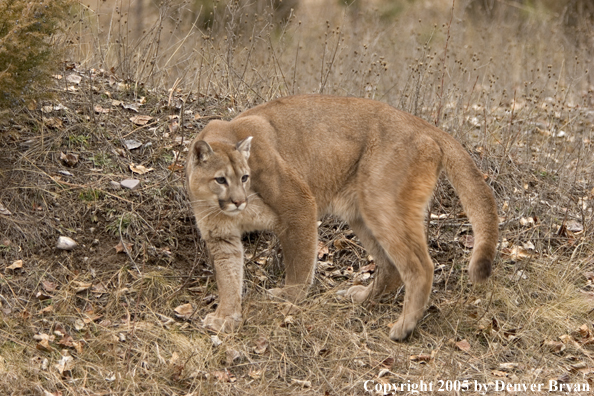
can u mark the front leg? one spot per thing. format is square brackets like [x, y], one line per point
[298, 235]
[227, 257]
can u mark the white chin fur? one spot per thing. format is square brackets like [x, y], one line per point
[233, 212]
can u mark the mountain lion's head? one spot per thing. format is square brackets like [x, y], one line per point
[219, 176]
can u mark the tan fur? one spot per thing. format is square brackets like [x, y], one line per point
[311, 155]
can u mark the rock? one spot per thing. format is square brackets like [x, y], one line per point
[132, 144]
[66, 243]
[114, 185]
[130, 183]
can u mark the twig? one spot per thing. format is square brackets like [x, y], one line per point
[443, 69]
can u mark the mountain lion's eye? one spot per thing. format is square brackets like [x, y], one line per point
[244, 178]
[221, 180]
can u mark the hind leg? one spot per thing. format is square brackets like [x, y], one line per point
[394, 214]
[387, 278]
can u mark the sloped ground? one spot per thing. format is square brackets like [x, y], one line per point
[111, 316]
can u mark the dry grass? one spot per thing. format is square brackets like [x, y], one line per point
[519, 98]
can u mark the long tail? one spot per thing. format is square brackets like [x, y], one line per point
[478, 202]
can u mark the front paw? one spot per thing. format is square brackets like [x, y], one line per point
[222, 323]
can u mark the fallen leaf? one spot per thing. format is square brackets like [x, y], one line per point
[555, 346]
[527, 221]
[463, 345]
[65, 364]
[52, 122]
[140, 169]
[48, 286]
[3, 210]
[101, 110]
[131, 106]
[184, 311]
[78, 346]
[574, 226]
[254, 373]
[368, 268]
[216, 341]
[231, 356]
[322, 250]
[173, 126]
[174, 358]
[509, 366]
[44, 346]
[261, 345]
[515, 252]
[15, 265]
[421, 358]
[584, 331]
[288, 321]
[123, 247]
[73, 79]
[223, 376]
[46, 310]
[99, 289]
[69, 159]
[79, 324]
[43, 296]
[303, 383]
[578, 366]
[80, 286]
[341, 243]
[176, 167]
[466, 241]
[141, 120]
[66, 341]
[383, 372]
[566, 339]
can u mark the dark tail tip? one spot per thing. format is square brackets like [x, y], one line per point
[480, 269]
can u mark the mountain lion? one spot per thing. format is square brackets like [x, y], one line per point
[282, 165]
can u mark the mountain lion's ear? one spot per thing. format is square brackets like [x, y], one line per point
[243, 146]
[202, 150]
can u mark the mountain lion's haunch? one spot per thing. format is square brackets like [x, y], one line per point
[284, 164]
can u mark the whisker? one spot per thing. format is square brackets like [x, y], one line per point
[205, 216]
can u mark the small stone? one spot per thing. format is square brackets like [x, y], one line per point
[132, 144]
[130, 183]
[114, 185]
[66, 243]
